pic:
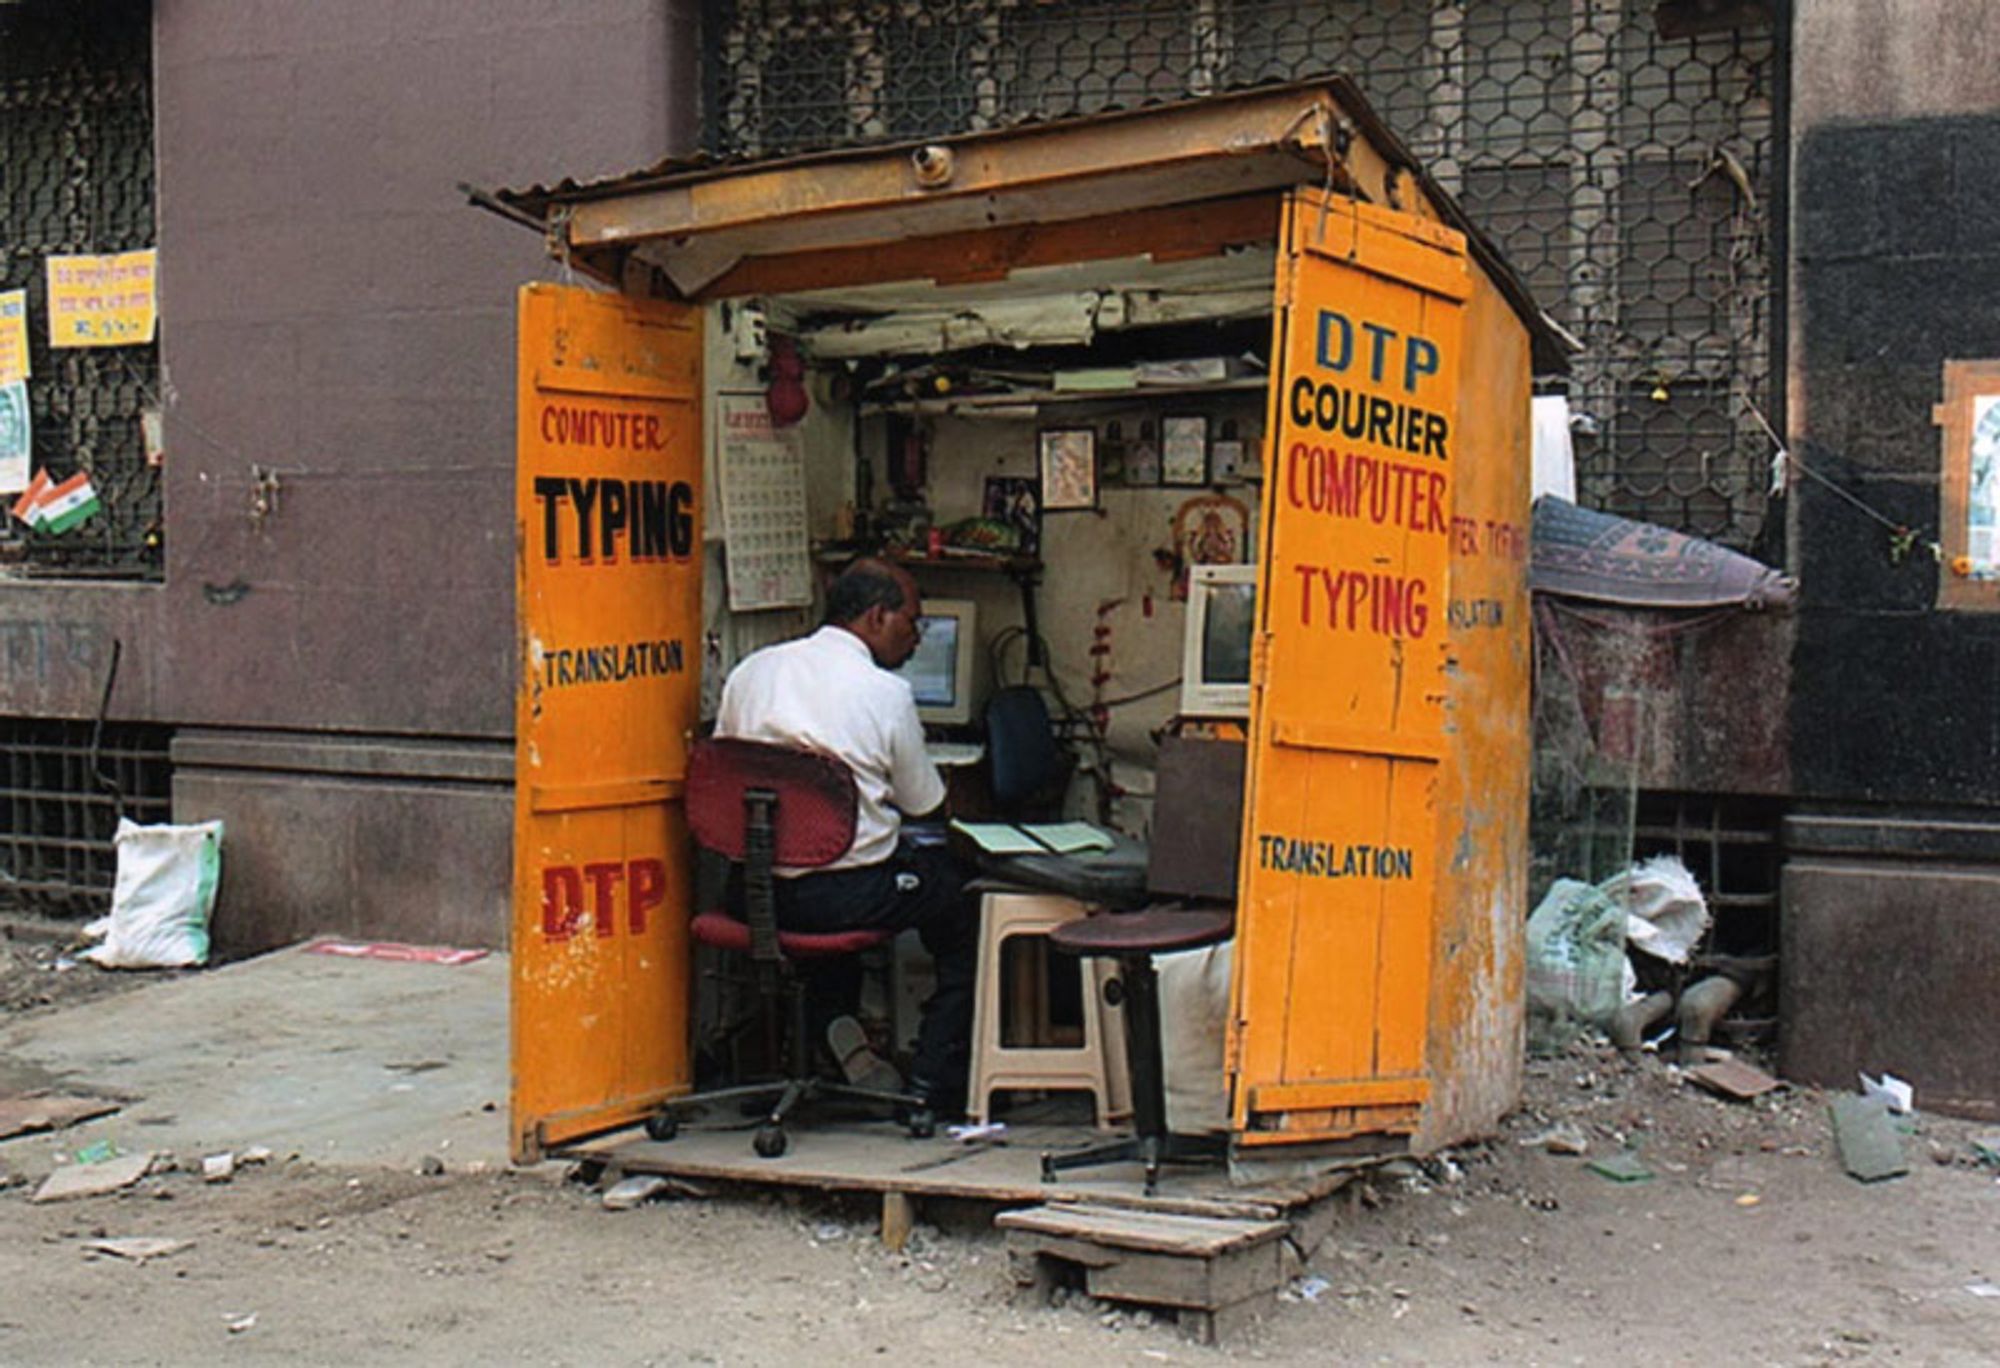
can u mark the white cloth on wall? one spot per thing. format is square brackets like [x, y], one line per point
[1555, 458]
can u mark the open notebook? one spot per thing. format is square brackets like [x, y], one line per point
[1037, 838]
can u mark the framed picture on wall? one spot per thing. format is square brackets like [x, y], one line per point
[1069, 468]
[1184, 450]
[1017, 502]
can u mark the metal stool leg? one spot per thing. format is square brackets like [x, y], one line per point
[1151, 1143]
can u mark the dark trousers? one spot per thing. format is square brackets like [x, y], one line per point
[920, 888]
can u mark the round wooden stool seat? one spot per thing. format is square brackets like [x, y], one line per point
[1156, 931]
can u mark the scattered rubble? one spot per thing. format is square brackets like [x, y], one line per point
[137, 1248]
[631, 1192]
[1562, 1138]
[94, 1180]
[27, 1113]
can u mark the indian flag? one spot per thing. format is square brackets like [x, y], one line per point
[37, 490]
[67, 505]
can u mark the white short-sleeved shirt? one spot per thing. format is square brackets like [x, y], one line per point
[825, 692]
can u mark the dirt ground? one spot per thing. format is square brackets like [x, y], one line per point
[39, 967]
[1749, 1243]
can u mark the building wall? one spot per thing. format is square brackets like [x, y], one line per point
[1897, 245]
[334, 314]
[1894, 716]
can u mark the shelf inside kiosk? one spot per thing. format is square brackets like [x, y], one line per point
[1060, 447]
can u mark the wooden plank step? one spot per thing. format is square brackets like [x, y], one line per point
[1153, 1232]
[1214, 1272]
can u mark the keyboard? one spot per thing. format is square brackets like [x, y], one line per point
[946, 754]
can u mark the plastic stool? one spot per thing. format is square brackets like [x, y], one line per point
[1097, 1066]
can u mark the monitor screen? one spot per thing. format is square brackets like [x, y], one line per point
[940, 669]
[933, 670]
[1225, 633]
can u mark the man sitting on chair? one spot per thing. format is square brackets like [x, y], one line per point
[833, 692]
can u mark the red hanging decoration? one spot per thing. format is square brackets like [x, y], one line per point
[785, 397]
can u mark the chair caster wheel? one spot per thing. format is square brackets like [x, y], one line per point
[769, 1142]
[662, 1126]
[922, 1123]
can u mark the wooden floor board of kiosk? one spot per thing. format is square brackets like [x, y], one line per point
[864, 1158]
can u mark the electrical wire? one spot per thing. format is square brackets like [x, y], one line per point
[1787, 456]
[1153, 692]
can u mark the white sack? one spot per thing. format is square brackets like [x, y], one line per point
[1665, 912]
[165, 891]
[1194, 1018]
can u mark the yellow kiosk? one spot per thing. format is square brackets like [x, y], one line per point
[1383, 855]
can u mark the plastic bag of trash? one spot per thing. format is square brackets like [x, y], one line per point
[162, 896]
[1576, 960]
[1665, 911]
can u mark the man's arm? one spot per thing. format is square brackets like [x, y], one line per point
[915, 785]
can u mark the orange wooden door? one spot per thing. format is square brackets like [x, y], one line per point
[608, 555]
[1340, 857]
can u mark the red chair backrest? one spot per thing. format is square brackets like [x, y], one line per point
[816, 799]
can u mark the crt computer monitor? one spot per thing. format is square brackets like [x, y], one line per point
[1215, 652]
[940, 671]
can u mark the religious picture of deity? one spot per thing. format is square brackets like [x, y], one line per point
[1069, 468]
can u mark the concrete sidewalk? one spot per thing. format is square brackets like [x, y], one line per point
[337, 1060]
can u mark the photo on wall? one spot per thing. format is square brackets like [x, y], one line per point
[1184, 450]
[1016, 502]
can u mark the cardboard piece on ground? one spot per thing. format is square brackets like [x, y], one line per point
[396, 951]
[1733, 1079]
[1869, 1148]
[94, 1180]
[34, 1112]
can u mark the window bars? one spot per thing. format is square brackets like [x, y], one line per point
[60, 800]
[76, 176]
[1627, 176]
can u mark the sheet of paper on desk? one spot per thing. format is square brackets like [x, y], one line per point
[1000, 838]
[1068, 838]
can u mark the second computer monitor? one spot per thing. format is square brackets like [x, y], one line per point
[940, 672]
[1215, 656]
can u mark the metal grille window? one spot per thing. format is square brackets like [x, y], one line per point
[76, 176]
[1628, 176]
[60, 800]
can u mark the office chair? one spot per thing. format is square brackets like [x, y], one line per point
[760, 806]
[1029, 767]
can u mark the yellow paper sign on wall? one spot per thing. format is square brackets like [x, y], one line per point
[102, 301]
[13, 336]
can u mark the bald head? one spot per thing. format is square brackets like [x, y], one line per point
[878, 602]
